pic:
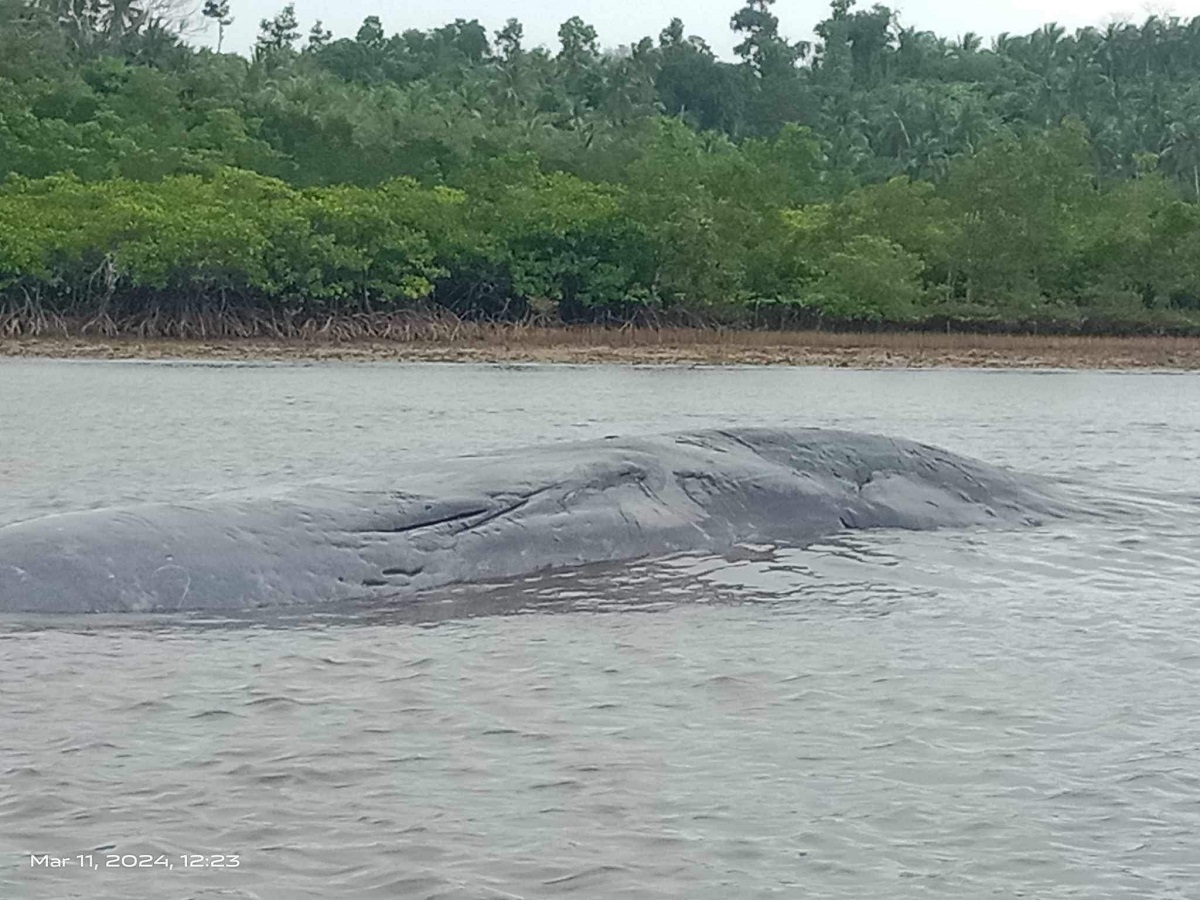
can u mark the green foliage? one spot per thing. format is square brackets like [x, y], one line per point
[1020, 205]
[868, 278]
[234, 237]
[844, 273]
[882, 175]
[278, 35]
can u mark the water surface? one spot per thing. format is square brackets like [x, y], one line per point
[951, 714]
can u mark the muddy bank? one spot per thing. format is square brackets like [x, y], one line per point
[678, 346]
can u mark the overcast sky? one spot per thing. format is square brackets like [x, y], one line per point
[626, 21]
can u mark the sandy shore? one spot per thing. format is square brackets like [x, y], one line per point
[662, 347]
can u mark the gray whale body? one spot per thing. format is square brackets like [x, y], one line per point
[502, 515]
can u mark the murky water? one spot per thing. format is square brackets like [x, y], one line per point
[951, 714]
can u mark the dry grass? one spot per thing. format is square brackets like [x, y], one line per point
[441, 340]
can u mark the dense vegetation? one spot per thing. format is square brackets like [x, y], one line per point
[879, 175]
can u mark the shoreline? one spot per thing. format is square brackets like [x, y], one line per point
[582, 346]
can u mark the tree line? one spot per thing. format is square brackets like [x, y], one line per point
[878, 175]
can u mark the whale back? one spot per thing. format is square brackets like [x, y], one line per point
[502, 515]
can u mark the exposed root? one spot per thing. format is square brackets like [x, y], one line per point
[31, 320]
[438, 334]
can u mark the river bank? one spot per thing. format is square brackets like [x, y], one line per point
[668, 346]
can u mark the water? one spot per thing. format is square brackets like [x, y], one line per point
[950, 714]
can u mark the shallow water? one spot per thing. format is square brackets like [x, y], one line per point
[955, 714]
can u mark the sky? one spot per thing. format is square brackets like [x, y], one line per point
[626, 21]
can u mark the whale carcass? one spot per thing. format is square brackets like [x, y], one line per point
[502, 515]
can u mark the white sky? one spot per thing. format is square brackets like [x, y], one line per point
[626, 21]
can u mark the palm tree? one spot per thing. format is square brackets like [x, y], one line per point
[218, 11]
[1181, 153]
[121, 18]
[968, 43]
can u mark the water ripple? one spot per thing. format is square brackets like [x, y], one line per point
[951, 714]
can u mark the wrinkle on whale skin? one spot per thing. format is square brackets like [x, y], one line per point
[502, 515]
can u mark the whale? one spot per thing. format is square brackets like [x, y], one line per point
[503, 515]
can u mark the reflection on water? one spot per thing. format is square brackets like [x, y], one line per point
[952, 714]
